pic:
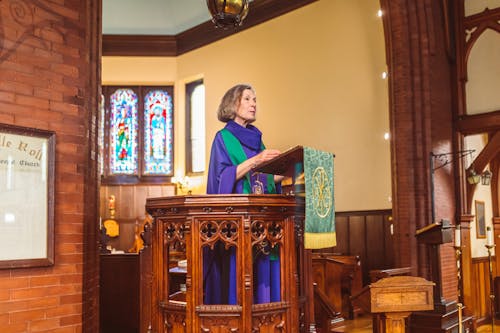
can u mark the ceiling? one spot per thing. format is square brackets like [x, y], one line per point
[152, 17]
[174, 27]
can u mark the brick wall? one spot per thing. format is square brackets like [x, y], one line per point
[46, 77]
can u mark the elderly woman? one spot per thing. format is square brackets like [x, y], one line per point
[236, 150]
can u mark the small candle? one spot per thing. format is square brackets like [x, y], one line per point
[489, 236]
[457, 237]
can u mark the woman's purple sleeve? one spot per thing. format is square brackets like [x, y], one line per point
[221, 171]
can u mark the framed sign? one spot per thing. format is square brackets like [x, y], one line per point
[26, 197]
[480, 219]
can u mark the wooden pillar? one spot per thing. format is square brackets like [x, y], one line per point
[465, 221]
[496, 239]
[395, 322]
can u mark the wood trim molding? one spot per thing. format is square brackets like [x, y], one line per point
[139, 45]
[479, 123]
[365, 212]
[198, 36]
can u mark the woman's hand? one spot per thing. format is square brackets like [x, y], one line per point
[264, 156]
[254, 162]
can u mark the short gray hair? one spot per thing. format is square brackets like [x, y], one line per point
[231, 101]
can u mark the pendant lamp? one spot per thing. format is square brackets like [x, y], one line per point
[228, 13]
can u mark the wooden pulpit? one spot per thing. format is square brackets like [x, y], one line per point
[395, 298]
[185, 226]
[444, 318]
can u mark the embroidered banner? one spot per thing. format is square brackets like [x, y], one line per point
[320, 211]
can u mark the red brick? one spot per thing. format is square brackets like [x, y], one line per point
[70, 228]
[69, 248]
[44, 325]
[75, 278]
[66, 70]
[64, 310]
[71, 299]
[16, 87]
[6, 118]
[19, 67]
[69, 258]
[67, 329]
[48, 94]
[26, 315]
[4, 318]
[48, 280]
[43, 291]
[52, 35]
[15, 328]
[32, 101]
[14, 283]
[64, 107]
[4, 294]
[7, 97]
[43, 303]
[6, 307]
[71, 320]
[30, 122]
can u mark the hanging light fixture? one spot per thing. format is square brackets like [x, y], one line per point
[486, 177]
[473, 178]
[228, 13]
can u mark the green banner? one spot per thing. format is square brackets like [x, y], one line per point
[320, 210]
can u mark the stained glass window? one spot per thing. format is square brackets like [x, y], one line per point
[138, 134]
[158, 133]
[123, 132]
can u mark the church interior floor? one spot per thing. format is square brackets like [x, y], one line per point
[363, 324]
[487, 328]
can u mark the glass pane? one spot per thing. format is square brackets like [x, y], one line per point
[123, 132]
[197, 134]
[158, 138]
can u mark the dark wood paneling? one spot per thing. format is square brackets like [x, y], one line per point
[198, 36]
[366, 234]
[342, 231]
[480, 306]
[375, 235]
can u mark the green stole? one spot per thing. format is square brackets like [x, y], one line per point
[238, 156]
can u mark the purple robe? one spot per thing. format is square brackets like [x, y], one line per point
[222, 180]
[221, 171]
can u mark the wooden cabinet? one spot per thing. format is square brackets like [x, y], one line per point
[119, 293]
[246, 223]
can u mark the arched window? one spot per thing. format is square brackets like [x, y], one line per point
[138, 134]
[195, 127]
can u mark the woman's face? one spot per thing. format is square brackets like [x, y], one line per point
[247, 109]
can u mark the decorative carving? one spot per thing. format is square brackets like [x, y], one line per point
[174, 317]
[217, 322]
[174, 232]
[224, 230]
[266, 232]
[269, 320]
